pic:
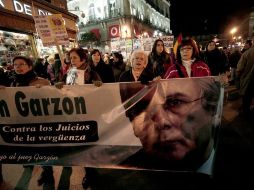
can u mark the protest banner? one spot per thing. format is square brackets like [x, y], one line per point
[115, 125]
[168, 41]
[51, 29]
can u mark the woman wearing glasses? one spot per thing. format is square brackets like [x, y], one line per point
[24, 74]
[188, 63]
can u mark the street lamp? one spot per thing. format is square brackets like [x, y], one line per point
[233, 31]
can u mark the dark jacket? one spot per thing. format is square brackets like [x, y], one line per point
[216, 61]
[118, 69]
[104, 71]
[28, 79]
[234, 58]
[4, 79]
[145, 76]
[57, 68]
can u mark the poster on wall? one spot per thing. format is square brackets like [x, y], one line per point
[129, 45]
[69, 127]
[137, 43]
[115, 44]
[148, 44]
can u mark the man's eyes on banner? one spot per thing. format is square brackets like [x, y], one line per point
[178, 105]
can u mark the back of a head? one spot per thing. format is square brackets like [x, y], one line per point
[249, 42]
[119, 56]
[57, 56]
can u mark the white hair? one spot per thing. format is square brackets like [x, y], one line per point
[139, 51]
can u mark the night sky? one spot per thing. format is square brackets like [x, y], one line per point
[195, 17]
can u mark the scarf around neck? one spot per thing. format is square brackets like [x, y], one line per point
[23, 79]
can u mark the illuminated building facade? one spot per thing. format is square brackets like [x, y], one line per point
[124, 19]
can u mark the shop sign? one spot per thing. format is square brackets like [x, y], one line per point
[31, 10]
[114, 31]
[20, 7]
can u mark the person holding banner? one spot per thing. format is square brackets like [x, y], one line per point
[159, 60]
[79, 72]
[24, 75]
[138, 71]
[188, 63]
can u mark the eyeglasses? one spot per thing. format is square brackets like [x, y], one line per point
[19, 65]
[186, 48]
[177, 105]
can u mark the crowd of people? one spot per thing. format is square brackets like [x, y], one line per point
[189, 61]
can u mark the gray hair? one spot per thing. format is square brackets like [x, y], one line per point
[210, 92]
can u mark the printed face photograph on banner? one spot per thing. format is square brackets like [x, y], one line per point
[175, 121]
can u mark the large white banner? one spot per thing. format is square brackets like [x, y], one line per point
[159, 125]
